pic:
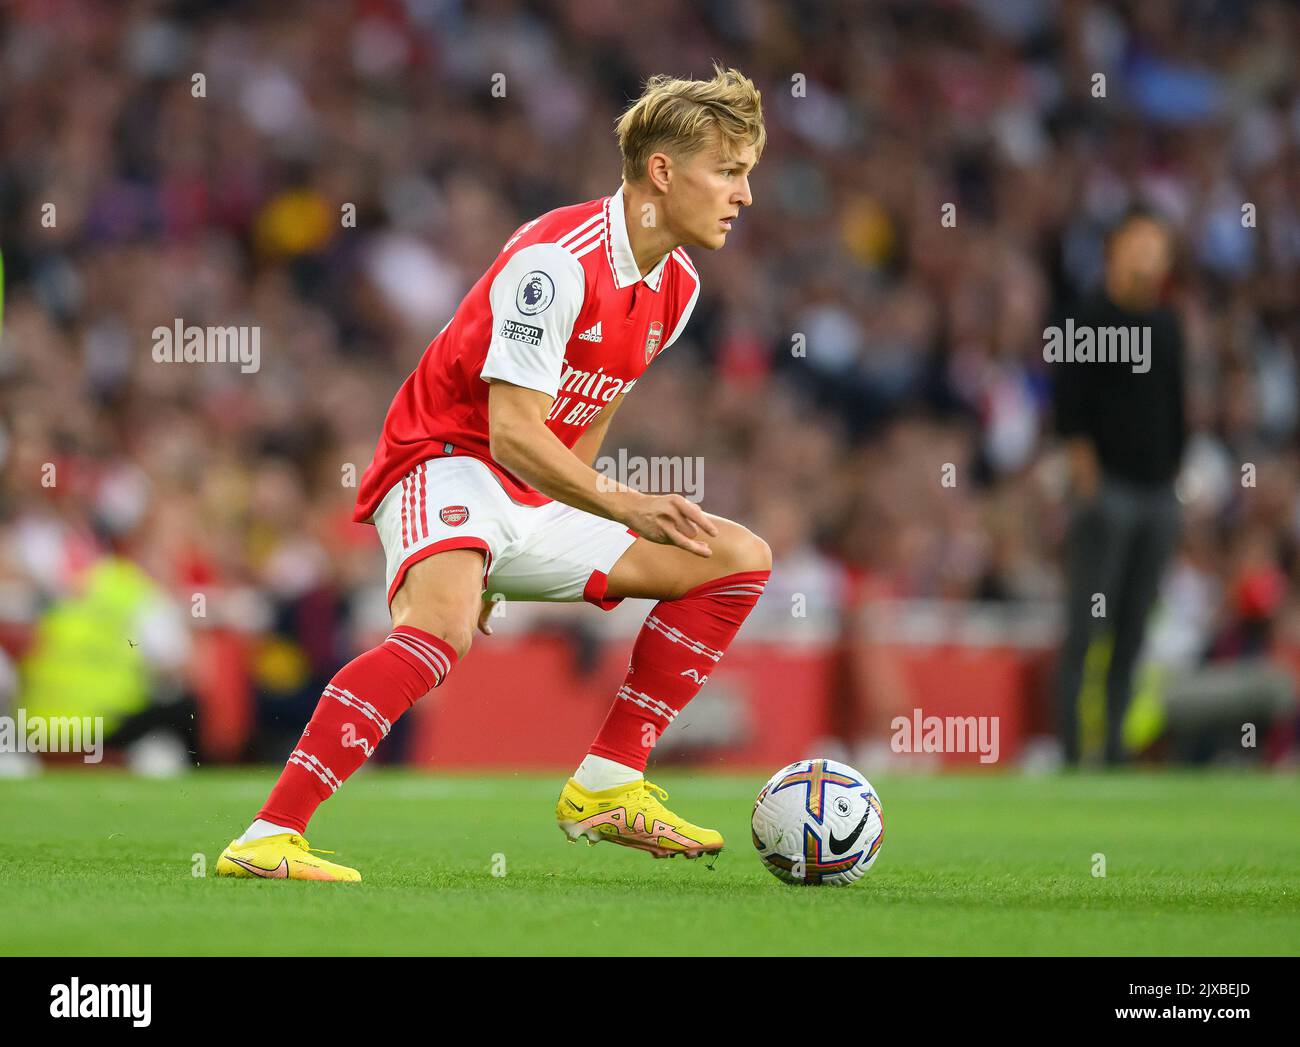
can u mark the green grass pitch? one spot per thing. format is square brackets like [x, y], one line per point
[1208, 864]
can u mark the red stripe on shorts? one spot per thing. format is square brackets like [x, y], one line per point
[424, 508]
[405, 543]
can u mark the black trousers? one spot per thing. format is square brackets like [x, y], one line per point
[1117, 548]
[178, 717]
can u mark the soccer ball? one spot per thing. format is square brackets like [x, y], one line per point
[817, 822]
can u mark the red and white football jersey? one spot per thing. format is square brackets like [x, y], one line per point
[563, 310]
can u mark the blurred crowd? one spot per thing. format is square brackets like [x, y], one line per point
[340, 173]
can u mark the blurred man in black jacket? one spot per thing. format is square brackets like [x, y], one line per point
[1124, 428]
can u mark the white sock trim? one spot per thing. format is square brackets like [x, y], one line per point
[595, 774]
[261, 828]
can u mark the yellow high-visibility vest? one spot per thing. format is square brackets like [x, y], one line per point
[82, 662]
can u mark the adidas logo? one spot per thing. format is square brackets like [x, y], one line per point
[592, 334]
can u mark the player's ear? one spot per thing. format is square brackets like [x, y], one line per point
[659, 171]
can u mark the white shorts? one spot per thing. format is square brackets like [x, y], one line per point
[549, 552]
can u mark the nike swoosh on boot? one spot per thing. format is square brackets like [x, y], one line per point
[280, 872]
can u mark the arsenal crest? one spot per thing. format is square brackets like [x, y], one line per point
[453, 515]
[653, 339]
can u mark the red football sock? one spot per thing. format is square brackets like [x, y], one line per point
[357, 710]
[680, 643]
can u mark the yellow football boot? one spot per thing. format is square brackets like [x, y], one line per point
[634, 816]
[284, 857]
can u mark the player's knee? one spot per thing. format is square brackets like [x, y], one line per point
[447, 625]
[459, 637]
[749, 552]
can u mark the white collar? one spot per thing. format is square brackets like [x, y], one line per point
[622, 262]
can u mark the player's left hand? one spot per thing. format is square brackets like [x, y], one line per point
[484, 613]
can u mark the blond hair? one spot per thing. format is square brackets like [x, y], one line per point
[680, 117]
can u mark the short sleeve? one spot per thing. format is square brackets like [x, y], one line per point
[686, 313]
[535, 299]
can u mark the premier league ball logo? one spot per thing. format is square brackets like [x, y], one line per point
[652, 340]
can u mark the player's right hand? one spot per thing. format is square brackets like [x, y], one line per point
[670, 519]
[1084, 469]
